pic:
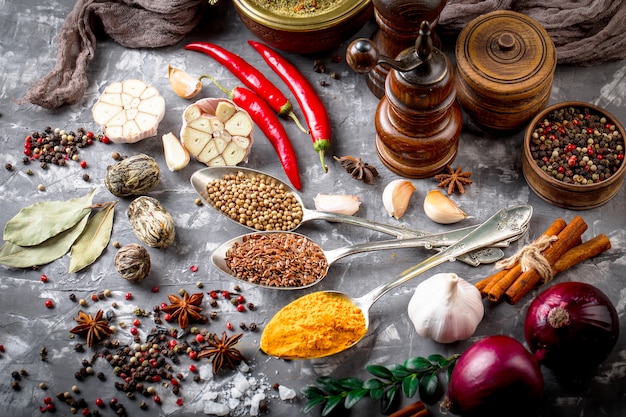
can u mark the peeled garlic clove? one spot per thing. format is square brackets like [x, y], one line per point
[439, 208]
[182, 83]
[176, 155]
[446, 308]
[396, 196]
[343, 204]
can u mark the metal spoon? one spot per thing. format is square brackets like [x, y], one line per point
[219, 256]
[502, 225]
[202, 177]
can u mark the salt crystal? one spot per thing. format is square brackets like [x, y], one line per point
[243, 367]
[286, 393]
[215, 408]
[240, 382]
[235, 393]
[254, 403]
[233, 403]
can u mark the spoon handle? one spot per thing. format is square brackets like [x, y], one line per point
[472, 258]
[503, 224]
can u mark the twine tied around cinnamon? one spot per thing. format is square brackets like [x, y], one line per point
[531, 257]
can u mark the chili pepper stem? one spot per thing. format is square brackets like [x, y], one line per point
[324, 166]
[295, 119]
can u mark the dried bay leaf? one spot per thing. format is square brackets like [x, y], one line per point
[94, 239]
[52, 249]
[41, 221]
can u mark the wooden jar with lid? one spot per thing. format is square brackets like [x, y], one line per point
[505, 64]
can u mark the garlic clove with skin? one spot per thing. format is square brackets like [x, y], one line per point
[440, 209]
[396, 196]
[446, 308]
[182, 83]
[342, 204]
[176, 155]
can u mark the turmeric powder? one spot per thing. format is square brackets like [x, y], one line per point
[315, 325]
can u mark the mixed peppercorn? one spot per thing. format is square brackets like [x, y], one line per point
[577, 146]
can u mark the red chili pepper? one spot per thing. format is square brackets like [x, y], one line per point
[250, 76]
[263, 116]
[310, 102]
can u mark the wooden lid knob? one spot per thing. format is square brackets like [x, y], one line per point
[506, 41]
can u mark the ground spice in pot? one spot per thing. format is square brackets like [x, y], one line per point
[577, 146]
[298, 8]
[315, 325]
[277, 260]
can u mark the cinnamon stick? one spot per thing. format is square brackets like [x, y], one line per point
[495, 289]
[582, 252]
[484, 284]
[567, 239]
[417, 409]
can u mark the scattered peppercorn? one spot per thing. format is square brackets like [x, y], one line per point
[8, 167]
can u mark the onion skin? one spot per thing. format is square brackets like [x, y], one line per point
[588, 332]
[495, 376]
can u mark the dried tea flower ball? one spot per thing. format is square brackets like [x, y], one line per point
[132, 262]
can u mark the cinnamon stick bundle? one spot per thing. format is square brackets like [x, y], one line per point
[569, 237]
[494, 286]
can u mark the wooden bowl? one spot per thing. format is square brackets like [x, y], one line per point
[305, 34]
[573, 196]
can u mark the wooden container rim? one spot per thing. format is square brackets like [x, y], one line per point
[333, 17]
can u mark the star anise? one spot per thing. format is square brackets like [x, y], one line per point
[454, 180]
[358, 169]
[185, 309]
[95, 327]
[222, 351]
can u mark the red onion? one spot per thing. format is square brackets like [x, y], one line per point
[571, 328]
[495, 376]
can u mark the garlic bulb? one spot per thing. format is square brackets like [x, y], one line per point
[342, 204]
[396, 196]
[446, 308]
[439, 208]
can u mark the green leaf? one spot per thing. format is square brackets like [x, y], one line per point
[418, 364]
[410, 385]
[376, 394]
[379, 371]
[438, 359]
[94, 239]
[311, 391]
[309, 405]
[354, 397]
[331, 404]
[27, 257]
[373, 384]
[449, 371]
[329, 384]
[399, 371]
[428, 384]
[387, 399]
[351, 383]
[40, 221]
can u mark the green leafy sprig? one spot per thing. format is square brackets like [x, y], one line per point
[414, 374]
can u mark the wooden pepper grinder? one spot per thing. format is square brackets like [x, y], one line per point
[398, 25]
[418, 121]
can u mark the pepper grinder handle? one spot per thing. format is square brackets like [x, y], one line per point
[363, 55]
